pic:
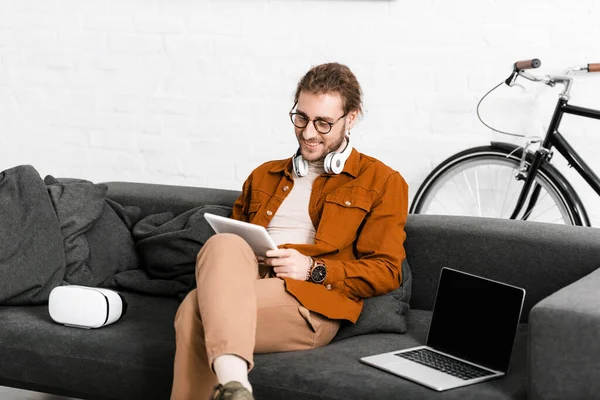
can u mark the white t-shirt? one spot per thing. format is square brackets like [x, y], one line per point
[291, 223]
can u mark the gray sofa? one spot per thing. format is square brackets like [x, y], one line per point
[556, 354]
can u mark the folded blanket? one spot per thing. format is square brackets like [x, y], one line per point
[78, 206]
[96, 237]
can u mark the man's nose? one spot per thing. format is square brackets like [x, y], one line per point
[309, 132]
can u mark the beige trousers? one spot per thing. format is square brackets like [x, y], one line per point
[232, 311]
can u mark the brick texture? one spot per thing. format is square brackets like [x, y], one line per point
[197, 92]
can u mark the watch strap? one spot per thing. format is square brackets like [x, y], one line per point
[311, 264]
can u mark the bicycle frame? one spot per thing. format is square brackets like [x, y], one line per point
[543, 154]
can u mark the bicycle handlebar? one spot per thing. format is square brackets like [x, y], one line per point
[528, 64]
[520, 68]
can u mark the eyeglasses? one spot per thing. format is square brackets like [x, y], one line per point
[301, 121]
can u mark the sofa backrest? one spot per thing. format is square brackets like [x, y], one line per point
[541, 258]
[155, 198]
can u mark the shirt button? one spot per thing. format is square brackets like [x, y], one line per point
[269, 213]
[286, 188]
[328, 286]
[348, 202]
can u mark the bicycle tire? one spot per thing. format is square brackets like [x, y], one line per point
[558, 202]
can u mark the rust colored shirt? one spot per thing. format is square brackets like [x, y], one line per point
[359, 216]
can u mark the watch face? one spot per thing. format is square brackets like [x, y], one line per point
[318, 274]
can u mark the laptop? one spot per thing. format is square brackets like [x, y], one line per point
[470, 338]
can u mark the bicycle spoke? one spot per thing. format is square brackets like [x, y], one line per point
[466, 204]
[441, 204]
[560, 220]
[486, 186]
[510, 182]
[477, 192]
[540, 214]
[470, 189]
[540, 201]
[444, 204]
[514, 198]
[495, 175]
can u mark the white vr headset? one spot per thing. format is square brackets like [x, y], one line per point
[85, 307]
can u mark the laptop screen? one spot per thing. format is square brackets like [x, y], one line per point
[475, 319]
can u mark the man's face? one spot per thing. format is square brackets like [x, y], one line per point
[328, 107]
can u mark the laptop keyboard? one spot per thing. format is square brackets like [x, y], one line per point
[445, 364]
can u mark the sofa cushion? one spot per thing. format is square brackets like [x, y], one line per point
[131, 359]
[382, 314]
[334, 372]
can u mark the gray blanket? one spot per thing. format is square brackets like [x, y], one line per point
[167, 246]
[32, 259]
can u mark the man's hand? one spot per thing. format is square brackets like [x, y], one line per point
[288, 263]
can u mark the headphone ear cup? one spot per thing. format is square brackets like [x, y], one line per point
[334, 162]
[300, 165]
[337, 163]
[328, 162]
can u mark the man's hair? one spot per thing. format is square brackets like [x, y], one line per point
[333, 77]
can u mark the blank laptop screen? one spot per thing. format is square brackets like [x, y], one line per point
[475, 319]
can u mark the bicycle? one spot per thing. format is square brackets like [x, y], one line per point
[503, 180]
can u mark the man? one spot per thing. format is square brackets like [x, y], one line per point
[338, 218]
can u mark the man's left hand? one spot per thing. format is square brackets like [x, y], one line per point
[288, 263]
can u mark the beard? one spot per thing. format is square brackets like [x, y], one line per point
[319, 153]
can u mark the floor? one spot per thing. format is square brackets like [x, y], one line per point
[7, 393]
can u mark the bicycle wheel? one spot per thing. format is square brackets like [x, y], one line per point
[482, 182]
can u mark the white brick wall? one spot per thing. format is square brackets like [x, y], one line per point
[196, 92]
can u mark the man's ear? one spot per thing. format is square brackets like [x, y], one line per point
[351, 119]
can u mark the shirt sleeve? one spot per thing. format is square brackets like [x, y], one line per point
[379, 247]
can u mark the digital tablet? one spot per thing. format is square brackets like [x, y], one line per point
[255, 235]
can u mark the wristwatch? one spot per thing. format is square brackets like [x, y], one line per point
[318, 273]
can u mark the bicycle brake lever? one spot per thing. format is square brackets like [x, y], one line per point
[510, 81]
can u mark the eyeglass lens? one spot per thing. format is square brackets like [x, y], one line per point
[301, 121]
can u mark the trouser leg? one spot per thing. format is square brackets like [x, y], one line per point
[283, 324]
[231, 312]
[193, 377]
[219, 317]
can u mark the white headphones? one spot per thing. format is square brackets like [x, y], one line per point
[333, 163]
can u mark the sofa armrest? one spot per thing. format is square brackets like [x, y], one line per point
[564, 347]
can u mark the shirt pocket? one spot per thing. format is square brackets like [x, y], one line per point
[257, 199]
[344, 212]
